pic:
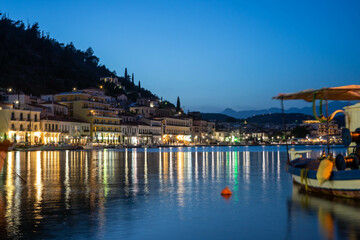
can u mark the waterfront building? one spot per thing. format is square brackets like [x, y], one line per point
[71, 130]
[155, 128]
[202, 131]
[176, 130]
[144, 133]
[259, 136]
[50, 131]
[92, 106]
[318, 129]
[129, 133]
[221, 136]
[19, 125]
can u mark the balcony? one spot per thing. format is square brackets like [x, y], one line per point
[52, 130]
[106, 123]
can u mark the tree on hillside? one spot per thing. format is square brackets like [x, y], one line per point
[126, 74]
[132, 78]
[139, 86]
[35, 63]
[178, 108]
[90, 58]
[300, 132]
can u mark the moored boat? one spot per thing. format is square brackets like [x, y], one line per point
[93, 145]
[4, 148]
[327, 175]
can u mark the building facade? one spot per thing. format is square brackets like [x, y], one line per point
[20, 125]
[92, 106]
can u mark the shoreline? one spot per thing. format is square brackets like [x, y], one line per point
[54, 148]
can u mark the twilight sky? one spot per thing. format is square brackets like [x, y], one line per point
[213, 54]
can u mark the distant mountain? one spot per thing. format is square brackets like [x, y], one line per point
[216, 117]
[306, 110]
[277, 118]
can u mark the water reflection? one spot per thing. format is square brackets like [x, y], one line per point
[107, 193]
[337, 218]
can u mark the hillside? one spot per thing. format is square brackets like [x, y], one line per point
[306, 110]
[35, 63]
[277, 118]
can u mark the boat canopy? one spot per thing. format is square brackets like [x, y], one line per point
[350, 93]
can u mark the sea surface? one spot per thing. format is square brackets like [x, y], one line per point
[166, 193]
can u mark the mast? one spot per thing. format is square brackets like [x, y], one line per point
[284, 127]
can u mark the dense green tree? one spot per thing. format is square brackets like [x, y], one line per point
[132, 78]
[126, 74]
[178, 108]
[33, 62]
[300, 132]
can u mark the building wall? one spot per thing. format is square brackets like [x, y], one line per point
[20, 125]
[144, 111]
[352, 117]
[94, 108]
[74, 132]
[50, 131]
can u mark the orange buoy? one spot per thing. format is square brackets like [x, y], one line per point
[226, 192]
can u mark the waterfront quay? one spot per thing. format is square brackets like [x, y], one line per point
[75, 119]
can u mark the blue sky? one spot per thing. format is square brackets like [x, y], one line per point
[213, 54]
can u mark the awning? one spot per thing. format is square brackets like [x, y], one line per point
[345, 93]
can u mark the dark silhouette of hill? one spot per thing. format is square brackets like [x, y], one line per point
[269, 118]
[35, 63]
[277, 118]
[306, 110]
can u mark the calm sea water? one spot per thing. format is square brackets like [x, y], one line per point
[169, 193]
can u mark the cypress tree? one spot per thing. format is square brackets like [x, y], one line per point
[126, 75]
[139, 85]
[178, 105]
[132, 78]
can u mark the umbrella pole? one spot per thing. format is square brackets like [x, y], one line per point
[284, 127]
[327, 127]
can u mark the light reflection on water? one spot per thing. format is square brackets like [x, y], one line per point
[156, 193]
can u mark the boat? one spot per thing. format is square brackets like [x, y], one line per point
[328, 175]
[4, 148]
[93, 146]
